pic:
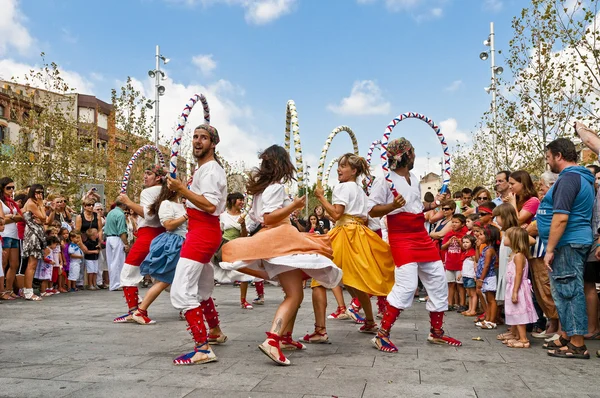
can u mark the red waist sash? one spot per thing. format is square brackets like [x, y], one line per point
[409, 241]
[141, 247]
[203, 237]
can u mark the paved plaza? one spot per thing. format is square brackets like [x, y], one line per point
[67, 346]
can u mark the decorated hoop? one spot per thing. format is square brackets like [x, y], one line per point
[374, 144]
[181, 123]
[137, 153]
[248, 198]
[325, 149]
[291, 126]
[328, 171]
[385, 140]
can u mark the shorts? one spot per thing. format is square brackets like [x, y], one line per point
[468, 283]
[91, 266]
[591, 272]
[453, 276]
[489, 284]
[10, 243]
[74, 270]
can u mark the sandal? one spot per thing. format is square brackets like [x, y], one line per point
[318, 337]
[505, 336]
[595, 336]
[571, 352]
[518, 344]
[383, 343]
[267, 346]
[369, 327]
[554, 344]
[6, 296]
[217, 339]
[288, 343]
[193, 358]
[34, 297]
[488, 325]
[507, 341]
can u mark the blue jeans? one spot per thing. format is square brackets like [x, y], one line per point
[566, 283]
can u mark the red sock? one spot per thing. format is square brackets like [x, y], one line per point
[131, 296]
[381, 304]
[356, 304]
[437, 320]
[389, 317]
[196, 325]
[260, 288]
[210, 312]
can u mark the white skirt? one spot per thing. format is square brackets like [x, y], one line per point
[314, 265]
[230, 276]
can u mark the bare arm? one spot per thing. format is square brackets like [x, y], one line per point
[78, 222]
[588, 136]
[279, 215]
[487, 262]
[172, 224]
[519, 260]
[136, 207]
[383, 210]
[440, 234]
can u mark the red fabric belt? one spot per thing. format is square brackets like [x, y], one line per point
[203, 237]
[409, 241]
[141, 247]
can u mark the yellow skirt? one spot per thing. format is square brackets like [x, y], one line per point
[364, 257]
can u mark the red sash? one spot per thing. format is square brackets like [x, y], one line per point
[141, 247]
[203, 237]
[409, 241]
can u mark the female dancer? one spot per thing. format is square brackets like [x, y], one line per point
[278, 251]
[34, 241]
[233, 225]
[365, 258]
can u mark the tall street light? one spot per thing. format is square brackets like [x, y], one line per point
[159, 90]
[496, 70]
[307, 182]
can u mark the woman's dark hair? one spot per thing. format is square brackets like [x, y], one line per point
[232, 198]
[22, 197]
[4, 181]
[165, 194]
[492, 236]
[276, 167]
[529, 190]
[313, 215]
[32, 189]
[565, 147]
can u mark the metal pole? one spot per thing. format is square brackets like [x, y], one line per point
[156, 96]
[492, 60]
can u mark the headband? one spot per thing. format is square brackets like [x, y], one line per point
[396, 149]
[486, 210]
[214, 134]
[157, 169]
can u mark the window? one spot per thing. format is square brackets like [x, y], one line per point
[2, 132]
[2, 111]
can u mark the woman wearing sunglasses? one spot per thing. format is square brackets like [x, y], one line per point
[10, 211]
[34, 241]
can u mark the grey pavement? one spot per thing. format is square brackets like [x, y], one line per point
[67, 346]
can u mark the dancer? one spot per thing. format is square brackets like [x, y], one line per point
[362, 255]
[278, 251]
[415, 254]
[233, 225]
[194, 275]
[148, 228]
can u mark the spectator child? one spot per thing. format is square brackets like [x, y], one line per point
[452, 261]
[468, 273]
[44, 268]
[63, 236]
[506, 218]
[471, 219]
[485, 211]
[91, 251]
[486, 272]
[519, 301]
[75, 259]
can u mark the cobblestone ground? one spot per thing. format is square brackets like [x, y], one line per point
[67, 346]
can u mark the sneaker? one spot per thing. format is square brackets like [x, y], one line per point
[142, 317]
[260, 300]
[54, 291]
[126, 318]
[246, 305]
[355, 316]
[340, 313]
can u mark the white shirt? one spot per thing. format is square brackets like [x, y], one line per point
[381, 194]
[352, 197]
[10, 230]
[147, 198]
[210, 181]
[271, 199]
[171, 210]
[229, 221]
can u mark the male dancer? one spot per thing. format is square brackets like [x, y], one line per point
[194, 275]
[148, 228]
[414, 253]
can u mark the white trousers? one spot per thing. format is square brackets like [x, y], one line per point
[432, 276]
[102, 266]
[130, 275]
[193, 283]
[115, 257]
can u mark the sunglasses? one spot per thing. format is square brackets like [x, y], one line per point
[10, 188]
[87, 204]
[446, 208]
[483, 198]
[40, 192]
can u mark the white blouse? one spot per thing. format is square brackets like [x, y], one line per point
[381, 194]
[272, 198]
[10, 230]
[171, 210]
[353, 198]
[210, 181]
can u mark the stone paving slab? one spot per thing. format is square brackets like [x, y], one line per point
[67, 346]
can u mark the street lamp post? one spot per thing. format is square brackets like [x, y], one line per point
[307, 182]
[159, 90]
[496, 70]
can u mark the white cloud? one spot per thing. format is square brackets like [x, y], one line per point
[402, 5]
[10, 69]
[68, 36]
[449, 128]
[419, 10]
[12, 32]
[493, 5]
[454, 86]
[365, 99]
[257, 12]
[205, 63]
[241, 139]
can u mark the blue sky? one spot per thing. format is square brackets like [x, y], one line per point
[353, 62]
